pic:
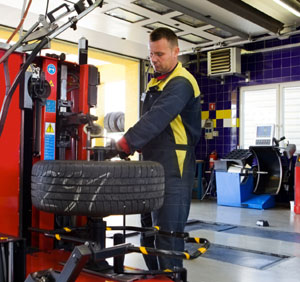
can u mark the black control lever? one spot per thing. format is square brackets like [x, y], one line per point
[276, 141]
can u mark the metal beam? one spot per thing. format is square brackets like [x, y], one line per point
[197, 15]
[251, 14]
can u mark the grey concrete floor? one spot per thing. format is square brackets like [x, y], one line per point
[211, 270]
[279, 218]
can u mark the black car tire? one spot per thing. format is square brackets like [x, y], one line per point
[97, 189]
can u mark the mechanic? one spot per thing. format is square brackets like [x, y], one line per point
[167, 132]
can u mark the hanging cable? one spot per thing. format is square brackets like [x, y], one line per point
[22, 13]
[21, 22]
[47, 8]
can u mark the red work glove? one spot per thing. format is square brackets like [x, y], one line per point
[123, 148]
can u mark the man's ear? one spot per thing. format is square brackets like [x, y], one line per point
[176, 51]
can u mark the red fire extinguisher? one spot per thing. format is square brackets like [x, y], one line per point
[212, 157]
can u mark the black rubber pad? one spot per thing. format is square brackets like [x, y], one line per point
[262, 232]
[238, 256]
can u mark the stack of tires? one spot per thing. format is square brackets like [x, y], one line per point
[114, 122]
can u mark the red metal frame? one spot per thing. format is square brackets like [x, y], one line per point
[54, 258]
[49, 117]
[10, 153]
[41, 219]
[84, 108]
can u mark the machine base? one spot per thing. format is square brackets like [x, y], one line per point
[52, 259]
[231, 191]
[260, 202]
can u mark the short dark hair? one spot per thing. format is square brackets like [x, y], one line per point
[163, 32]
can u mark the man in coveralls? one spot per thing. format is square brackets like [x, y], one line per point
[167, 132]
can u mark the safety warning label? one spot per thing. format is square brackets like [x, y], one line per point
[50, 106]
[50, 127]
[49, 149]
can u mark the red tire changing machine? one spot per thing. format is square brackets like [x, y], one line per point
[46, 104]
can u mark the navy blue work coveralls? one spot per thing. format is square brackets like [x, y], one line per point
[167, 132]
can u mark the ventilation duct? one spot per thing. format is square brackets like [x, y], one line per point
[224, 62]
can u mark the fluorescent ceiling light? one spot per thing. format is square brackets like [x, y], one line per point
[155, 25]
[219, 32]
[125, 15]
[153, 6]
[192, 38]
[288, 7]
[186, 19]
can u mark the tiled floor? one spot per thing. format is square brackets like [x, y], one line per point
[279, 219]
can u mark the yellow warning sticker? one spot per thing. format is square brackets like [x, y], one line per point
[49, 148]
[50, 128]
[51, 83]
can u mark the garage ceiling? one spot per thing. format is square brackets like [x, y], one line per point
[200, 23]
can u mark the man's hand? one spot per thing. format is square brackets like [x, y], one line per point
[111, 151]
[120, 148]
[123, 148]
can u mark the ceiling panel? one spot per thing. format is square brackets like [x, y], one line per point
[117, 35]
[276, 11]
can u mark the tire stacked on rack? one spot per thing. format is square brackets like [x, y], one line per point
[97, 189]
[114, 122]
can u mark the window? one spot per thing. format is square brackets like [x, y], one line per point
[115, 96]
[276, 104]
[291, 114]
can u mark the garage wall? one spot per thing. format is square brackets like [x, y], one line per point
[275, 66]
